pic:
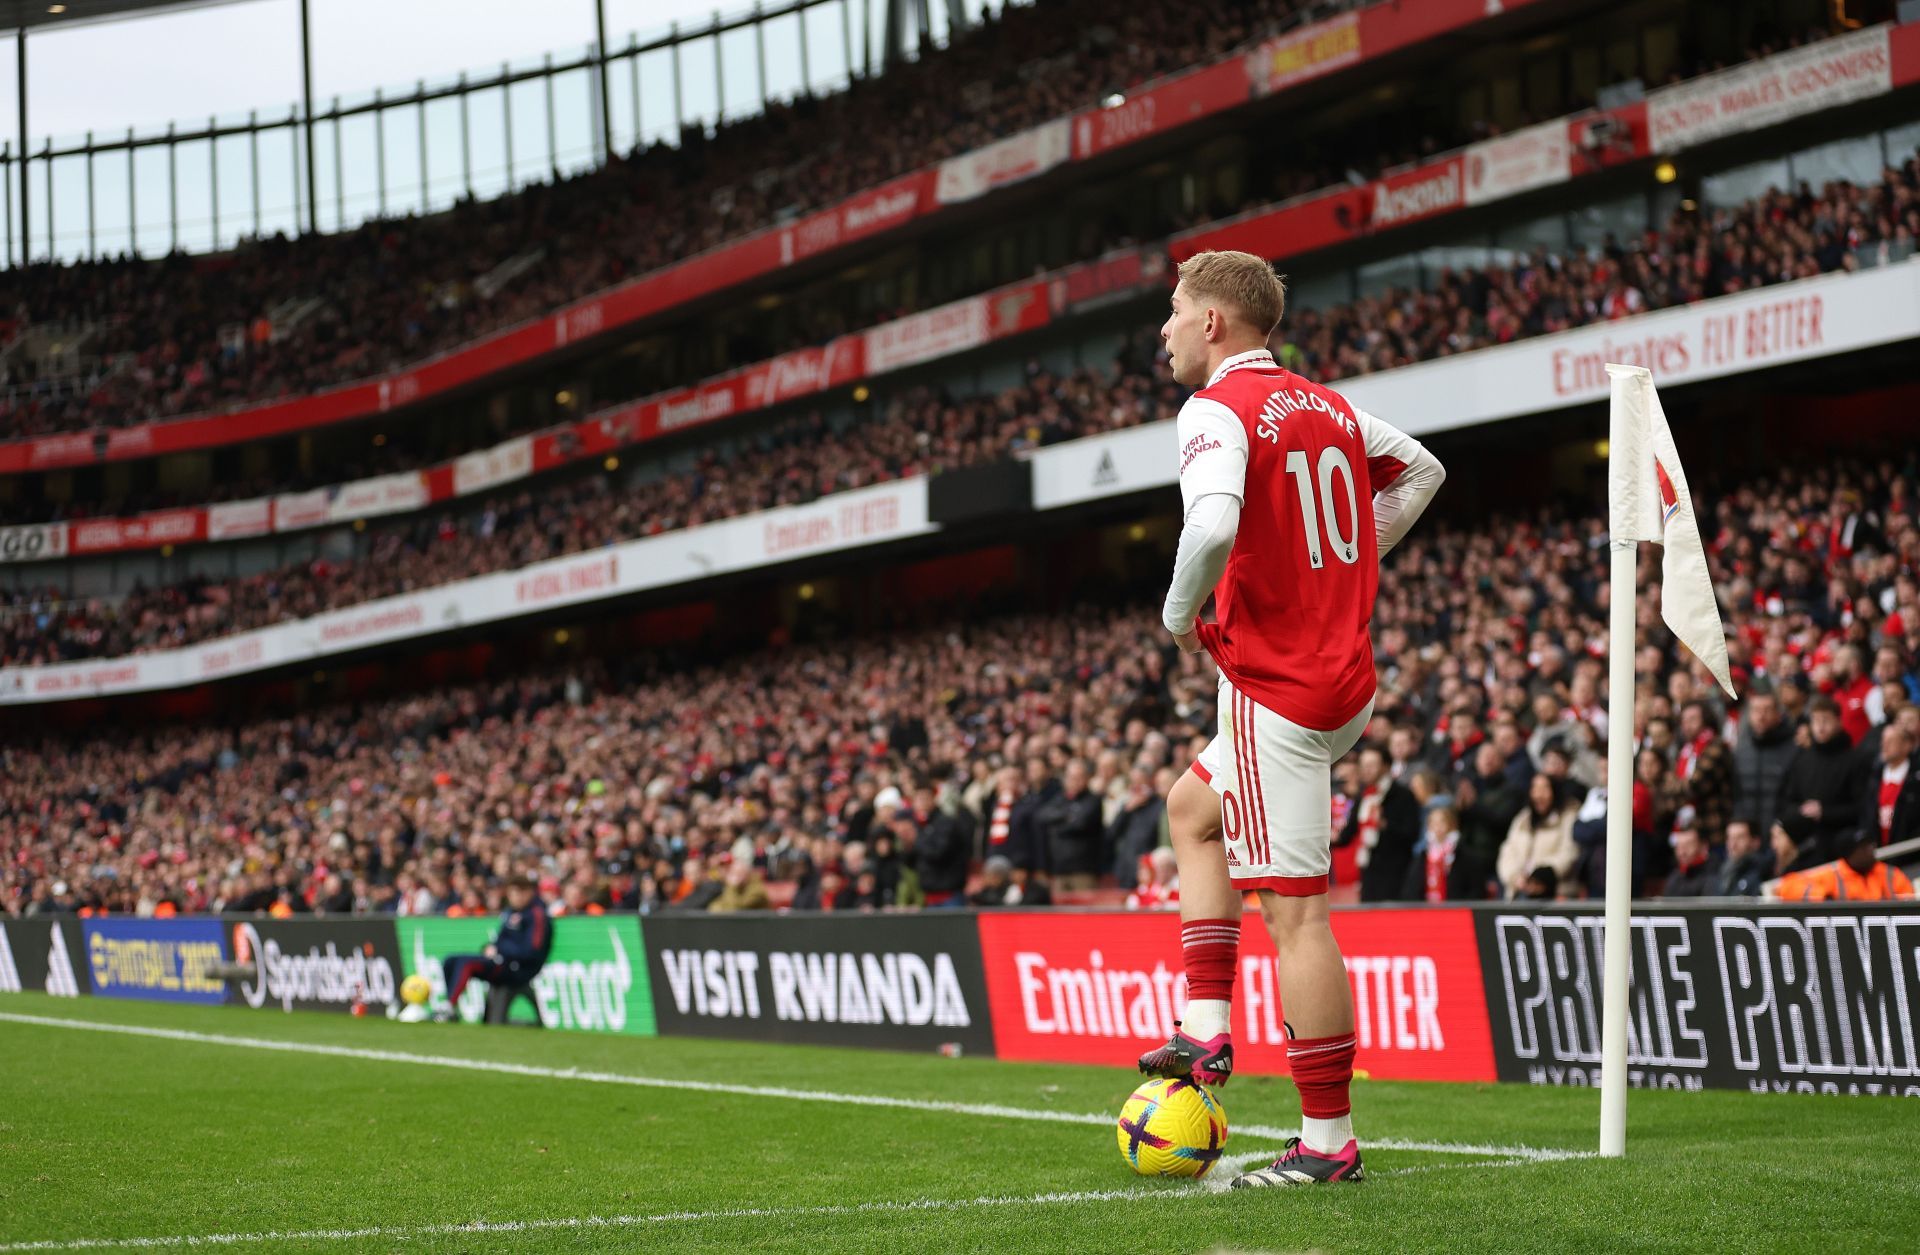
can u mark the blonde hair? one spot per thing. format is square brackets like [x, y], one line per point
[1240, 280]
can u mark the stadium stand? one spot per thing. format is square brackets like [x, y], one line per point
[650, 784]
[1488, 637]
[188, 335]
[399, 290]
[709, 598]
[1785, 235]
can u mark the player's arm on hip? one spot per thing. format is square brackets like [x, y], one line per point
[1405, 477]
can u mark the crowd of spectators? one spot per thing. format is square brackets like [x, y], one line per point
[200, 331]
[861, 774]
[791, 463]
[1485, 771]
[1023, 758]
[1782, 236]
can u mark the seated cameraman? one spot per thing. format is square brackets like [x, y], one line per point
[516, 953]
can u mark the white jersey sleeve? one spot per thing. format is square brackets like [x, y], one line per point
[1213, 452]
[1206, 541]
[1404, 476]
[1213, 484]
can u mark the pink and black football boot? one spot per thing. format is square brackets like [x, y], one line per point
[1303, 1166]
[1208, 1062]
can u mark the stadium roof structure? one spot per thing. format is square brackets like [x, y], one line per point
[22, 17]
[32, 15]
[25, 16]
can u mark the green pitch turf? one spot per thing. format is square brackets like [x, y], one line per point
[113, 1136]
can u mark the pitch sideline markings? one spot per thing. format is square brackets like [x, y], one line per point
[1531, 1154]
[1216, 1184]
[488, 1227]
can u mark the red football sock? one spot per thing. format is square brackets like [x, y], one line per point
[1212, 951]
[1322, 1071]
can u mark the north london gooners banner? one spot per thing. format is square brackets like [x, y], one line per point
[1788, 999]
[911, 982]
[594, 979]
[1101, 988]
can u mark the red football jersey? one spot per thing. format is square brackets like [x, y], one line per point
[1294, 607]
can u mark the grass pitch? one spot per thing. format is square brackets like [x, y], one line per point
[110, 1140]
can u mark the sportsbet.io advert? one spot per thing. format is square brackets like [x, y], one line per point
[316, 965]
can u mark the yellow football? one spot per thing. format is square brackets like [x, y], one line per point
[415, 990]
[1172, 1128]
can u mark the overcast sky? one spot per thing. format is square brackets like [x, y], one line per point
[226, 59]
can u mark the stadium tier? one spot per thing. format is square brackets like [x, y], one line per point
[284, 318]
[360, 470]
[201, 336]
[1781, 237]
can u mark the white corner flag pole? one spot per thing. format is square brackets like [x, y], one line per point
[1648, 499]
[1618, 944]
[1625, 444]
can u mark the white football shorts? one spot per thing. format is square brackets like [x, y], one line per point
[1275, 781]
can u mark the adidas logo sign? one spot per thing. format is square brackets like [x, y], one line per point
[9, 970]
[61, 978]
[1105, 474]
[61, 981]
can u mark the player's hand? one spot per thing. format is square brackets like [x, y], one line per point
[1188, 641]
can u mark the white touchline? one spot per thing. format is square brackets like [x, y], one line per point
[403, 1232]
[410, 1232]
[1530, 1154]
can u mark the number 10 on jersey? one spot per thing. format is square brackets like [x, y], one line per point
[1333, 461]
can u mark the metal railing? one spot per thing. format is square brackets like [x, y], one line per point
[206, 188]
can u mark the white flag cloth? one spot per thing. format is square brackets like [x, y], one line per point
[1649, 500]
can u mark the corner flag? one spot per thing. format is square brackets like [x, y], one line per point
[1647, 500]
